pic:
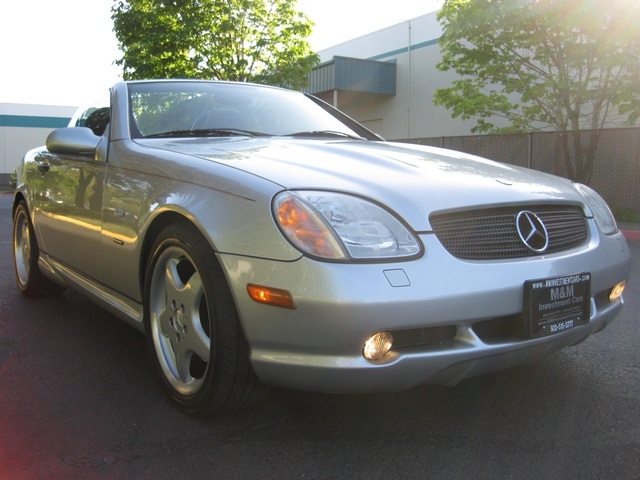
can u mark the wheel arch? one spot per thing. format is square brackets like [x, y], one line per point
[233, 384]
[159, 223]
[17, 198]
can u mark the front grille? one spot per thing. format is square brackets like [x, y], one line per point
[507, 329]
[423, 337]
[491, 234]
[510, 328]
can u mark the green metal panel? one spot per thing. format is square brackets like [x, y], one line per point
[32, 121]
[354, 74]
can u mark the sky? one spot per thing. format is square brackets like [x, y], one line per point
[61, 52]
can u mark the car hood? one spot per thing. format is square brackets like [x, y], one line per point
[412, 180]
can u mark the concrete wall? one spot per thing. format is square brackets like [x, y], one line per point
[23, 127]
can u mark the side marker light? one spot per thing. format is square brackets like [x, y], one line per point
[271, 296]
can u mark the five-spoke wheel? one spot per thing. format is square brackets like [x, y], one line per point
[179, 320]
[193, 331]
[25, 257]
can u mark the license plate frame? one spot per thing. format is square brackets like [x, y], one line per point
[556, 304]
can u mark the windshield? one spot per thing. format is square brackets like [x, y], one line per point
[171, 109]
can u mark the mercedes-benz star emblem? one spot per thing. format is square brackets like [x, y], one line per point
[532, 231]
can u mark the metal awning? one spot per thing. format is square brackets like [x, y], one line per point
[353, 75]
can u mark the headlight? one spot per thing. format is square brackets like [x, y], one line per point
[341, 227]
[599, 208]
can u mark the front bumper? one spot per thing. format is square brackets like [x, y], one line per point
[318, 346]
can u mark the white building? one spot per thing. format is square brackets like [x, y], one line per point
[23, 127]
[386, 80]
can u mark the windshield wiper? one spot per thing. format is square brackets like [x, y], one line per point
[209, 132]
[326, 133]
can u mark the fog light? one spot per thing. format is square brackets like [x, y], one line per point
[377, 346]
[616, 293]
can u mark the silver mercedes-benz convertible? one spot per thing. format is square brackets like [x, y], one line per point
[260, 237]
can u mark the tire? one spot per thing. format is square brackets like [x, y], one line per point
[193, 332]
[29, 278]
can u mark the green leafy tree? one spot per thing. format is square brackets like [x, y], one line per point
[567, 65]
[262, 41]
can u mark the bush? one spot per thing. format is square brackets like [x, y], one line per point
[14, 179]
[625, 215]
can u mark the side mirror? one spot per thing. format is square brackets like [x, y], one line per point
[73, 140]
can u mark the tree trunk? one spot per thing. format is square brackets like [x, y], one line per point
[579, 160]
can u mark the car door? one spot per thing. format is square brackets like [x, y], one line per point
[68, 213]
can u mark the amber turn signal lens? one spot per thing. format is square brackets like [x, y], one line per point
[306, 230]
[271, 296]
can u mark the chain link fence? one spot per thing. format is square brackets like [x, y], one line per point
[616, 172]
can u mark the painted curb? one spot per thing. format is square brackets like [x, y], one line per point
[633, 235]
